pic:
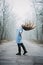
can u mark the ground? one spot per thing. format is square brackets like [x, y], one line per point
[33, 57]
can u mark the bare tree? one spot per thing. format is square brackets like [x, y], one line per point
[5, 20]
[39, 17]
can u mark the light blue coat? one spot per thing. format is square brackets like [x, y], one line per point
[19, 35]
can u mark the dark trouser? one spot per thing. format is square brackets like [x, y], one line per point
[19, 47]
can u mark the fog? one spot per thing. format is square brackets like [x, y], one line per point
[14, 12]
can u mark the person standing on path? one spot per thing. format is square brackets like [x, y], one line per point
[19, 41]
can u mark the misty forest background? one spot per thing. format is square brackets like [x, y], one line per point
[14, 11]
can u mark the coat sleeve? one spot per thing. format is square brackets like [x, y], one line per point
[21, 30]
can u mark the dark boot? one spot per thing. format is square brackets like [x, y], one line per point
[23, 48]
[24, 52]
[19, 50]
[18, 54]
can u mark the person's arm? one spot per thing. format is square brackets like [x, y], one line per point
[21, 30]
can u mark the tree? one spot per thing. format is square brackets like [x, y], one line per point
[5, 20]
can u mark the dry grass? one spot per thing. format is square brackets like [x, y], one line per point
[4, 41]
[38, 41]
